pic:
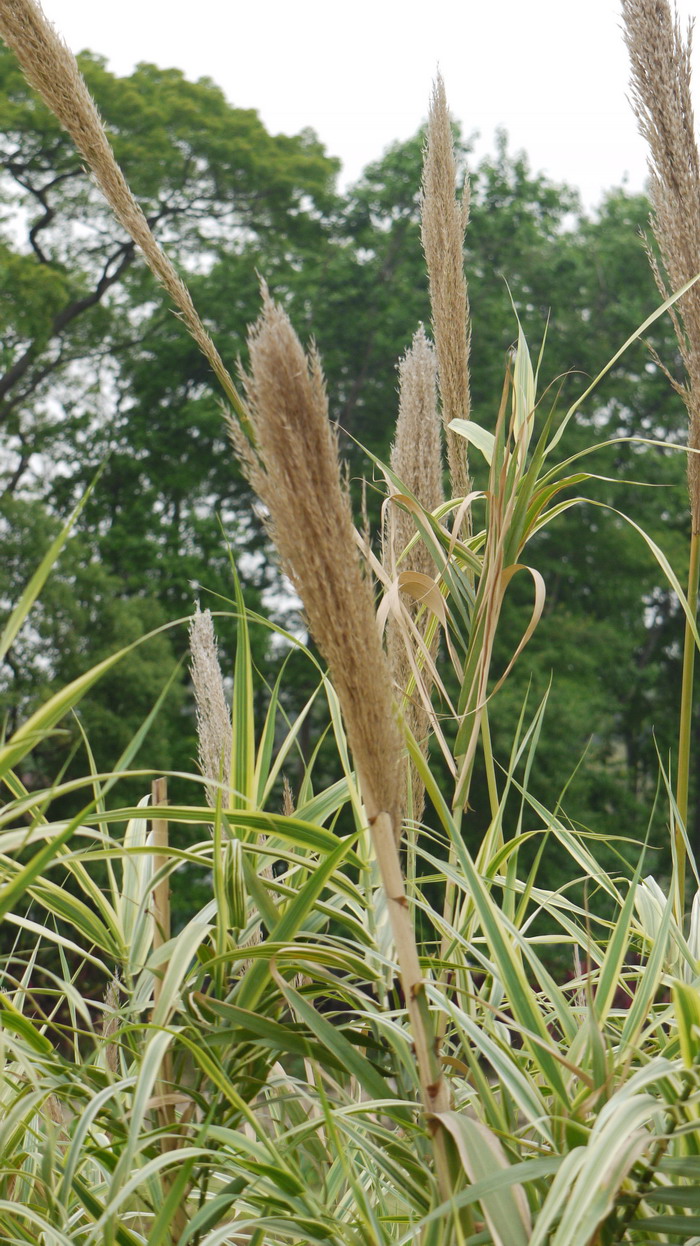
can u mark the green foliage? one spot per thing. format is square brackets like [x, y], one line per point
[248, 1077]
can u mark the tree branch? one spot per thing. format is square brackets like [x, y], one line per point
[123, 256]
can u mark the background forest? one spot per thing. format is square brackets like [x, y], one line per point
[96, 371]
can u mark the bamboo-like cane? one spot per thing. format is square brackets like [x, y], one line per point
[164, 1086]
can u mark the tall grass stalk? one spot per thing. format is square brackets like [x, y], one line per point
[295, 471]
[161, 891]
[165, 1084]
[661, 96]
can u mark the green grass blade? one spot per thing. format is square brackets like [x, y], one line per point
[506, 1210]
[253, 984]
[40, 576]
[332, 1038]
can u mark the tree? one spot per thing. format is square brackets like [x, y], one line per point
[72, 293]
[80, 322]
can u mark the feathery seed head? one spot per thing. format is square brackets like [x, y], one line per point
[110, 1024]
[443, 225]
[417, 460]
[213, 719]
[416, 455]
[297, 476]
[661, 98]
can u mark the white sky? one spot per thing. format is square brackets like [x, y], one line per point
[552, 72]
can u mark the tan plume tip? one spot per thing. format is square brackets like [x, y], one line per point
[444, 221]
[416, 455]
[661, 97]
[298, 478]
[51, 68]
[213, 719]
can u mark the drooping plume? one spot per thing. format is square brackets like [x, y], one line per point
[51, 68]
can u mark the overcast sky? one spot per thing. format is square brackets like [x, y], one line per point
[553, 73]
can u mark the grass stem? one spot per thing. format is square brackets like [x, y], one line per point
[434, 1088]
[685, 727]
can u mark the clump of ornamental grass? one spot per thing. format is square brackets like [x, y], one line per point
[661, 97]
[293, 465]
[279, 1105]
[336, 597]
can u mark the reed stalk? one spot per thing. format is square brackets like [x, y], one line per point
[161, 927]
[171, 1137]
[686, 713]
[296, 473]
[161, 891]
[660, 62]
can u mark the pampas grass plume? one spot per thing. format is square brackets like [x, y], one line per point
[416, 455]
[213, 718]
[444, 221]
[416, 458]
[661, 98]
[297, 476]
